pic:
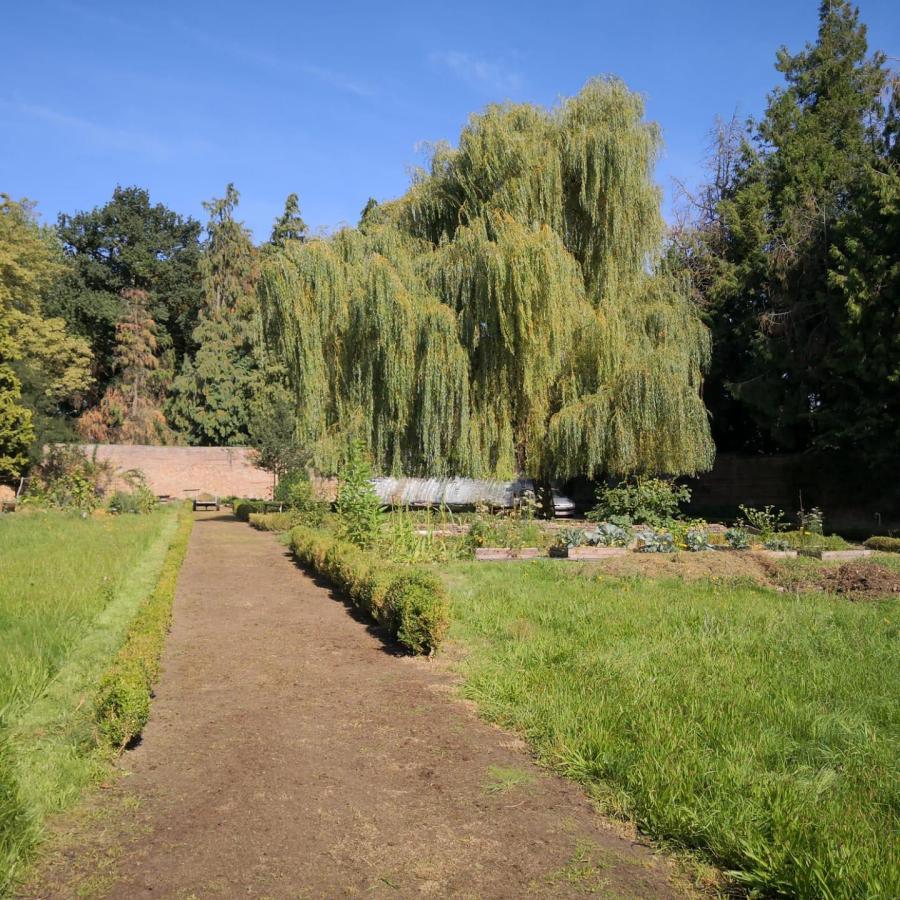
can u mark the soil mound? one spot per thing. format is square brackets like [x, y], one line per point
[861, 581]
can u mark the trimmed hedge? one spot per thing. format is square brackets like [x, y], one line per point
[123, 698]
[244, 508]
[411, 603]
[278, 521]
[884, 544]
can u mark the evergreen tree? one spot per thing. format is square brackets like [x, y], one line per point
[796, 262]
[130, 411]
[228, 266]
[211, 399]
[290, 225]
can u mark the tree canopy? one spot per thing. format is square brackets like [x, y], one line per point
[795, 257]
[42, 365]
[509, 313]
[212, 397]
[129, 244]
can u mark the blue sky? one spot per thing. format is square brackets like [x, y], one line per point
[335, 100]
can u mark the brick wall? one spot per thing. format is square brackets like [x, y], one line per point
[188, 471]
[852, 503]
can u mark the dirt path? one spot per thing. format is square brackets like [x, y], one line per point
[291, 753]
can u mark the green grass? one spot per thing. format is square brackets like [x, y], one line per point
[69, 590]
[759, 729]
[505, 778]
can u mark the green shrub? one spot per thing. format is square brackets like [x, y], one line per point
[497, 531]
[123, 697]
[296, 492]
[278, 521]
[358, 507]
[812, 520]
[639, 501]
[410, 603]
[766, 521]
[141, 500]
[243, 509]
[884, 544]
[419, 611]
[810, 540]
[67, 479]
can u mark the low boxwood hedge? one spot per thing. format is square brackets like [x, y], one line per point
[276, 521]
[884, 544]
[411, 603]
[123, 697]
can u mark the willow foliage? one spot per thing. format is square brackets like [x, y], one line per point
[507, 314]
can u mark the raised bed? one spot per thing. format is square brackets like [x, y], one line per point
[489, 554]
[837, 554]
[587, 552]
[777, 554]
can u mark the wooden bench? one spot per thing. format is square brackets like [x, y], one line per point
[212, 503]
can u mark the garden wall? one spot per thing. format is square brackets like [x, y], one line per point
[189, 471]
[851, 503]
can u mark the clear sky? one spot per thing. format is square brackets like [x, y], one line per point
[334, 100]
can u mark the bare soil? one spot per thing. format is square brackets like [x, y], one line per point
[859, 581]
[292, 752]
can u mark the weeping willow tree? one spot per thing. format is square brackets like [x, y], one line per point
[508, 314]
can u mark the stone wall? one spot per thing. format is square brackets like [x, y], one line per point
[189, 471]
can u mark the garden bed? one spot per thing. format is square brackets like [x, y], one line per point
[855, 553]
[587, 552]
[776, 554]
[487, 554]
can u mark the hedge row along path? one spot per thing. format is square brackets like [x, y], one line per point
[292, 753]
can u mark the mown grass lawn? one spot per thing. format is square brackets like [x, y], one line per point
[69, 589]
[760, 728]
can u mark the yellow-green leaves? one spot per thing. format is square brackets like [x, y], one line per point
[506, 314]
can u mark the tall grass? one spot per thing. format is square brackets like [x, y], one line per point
[69, 588]
[758, 728]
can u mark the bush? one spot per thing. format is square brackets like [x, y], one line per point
[766, 521]
[296, 492]
[278, 522]
[67, 479]
[243, 509]
[418, 610]
[410, 603]
[123, 697]
[639, 501]
[810, 540]
[141, 500]
[358, 507]
[884, 544]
